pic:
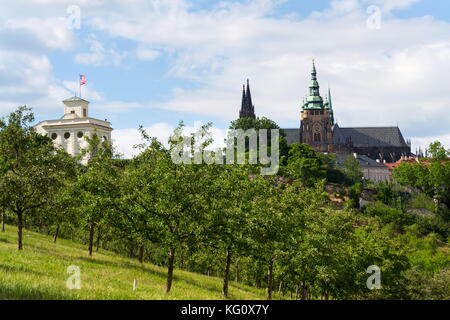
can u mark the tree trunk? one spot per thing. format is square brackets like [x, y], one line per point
[3, 221]
[56, 234]
[141, 253]
[91, 238]
[304, 295]
[19, 230]
[296, 292]
[270, 280]
[237, 270]
[98, 240]
[182, 259]
[170, 269]
[279, 288]
[227, 273]
[131, 252]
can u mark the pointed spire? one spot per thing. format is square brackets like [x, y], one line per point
[243, 97]
[329, 99]
[247, 109]
[314, 86]
[249, 95]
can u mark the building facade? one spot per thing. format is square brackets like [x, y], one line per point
[69, 132]
[371, 169]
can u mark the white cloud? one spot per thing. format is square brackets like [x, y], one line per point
[99, 55]
[389, 5]
[146, 54]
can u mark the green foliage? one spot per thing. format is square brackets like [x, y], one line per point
[33, 170]
[354, 195]
[390, 215]
[438, 152]
[305, 165]
[433, 178]
[352, 170]
[263, 123]
[433, 224]
[422, 201]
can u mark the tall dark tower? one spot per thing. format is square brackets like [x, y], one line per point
[247, 107]
[317, 118]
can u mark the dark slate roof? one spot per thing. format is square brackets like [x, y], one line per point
[363, 160]
[369, 137]
[292, 135]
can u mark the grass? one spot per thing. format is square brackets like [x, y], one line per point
[40, 272]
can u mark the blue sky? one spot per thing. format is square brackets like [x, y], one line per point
[154, 62]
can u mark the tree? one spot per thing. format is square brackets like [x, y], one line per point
[352, 170]
[96, 185]
[33, 168]
[263, 123]
[230, 203]
[431, 178]
[271, 223]
[305, 164]
[438, 152]
[161, 201]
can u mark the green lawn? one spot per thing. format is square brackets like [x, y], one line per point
[40, 272]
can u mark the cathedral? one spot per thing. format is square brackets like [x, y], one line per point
[319, 129]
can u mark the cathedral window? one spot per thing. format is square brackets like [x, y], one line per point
[80, 134]
[317, 137]
[84, 113]
[67, 135]
[54, 136]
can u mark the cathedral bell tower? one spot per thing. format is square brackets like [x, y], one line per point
[317, 119]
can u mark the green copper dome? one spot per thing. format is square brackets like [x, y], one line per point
[314, 101]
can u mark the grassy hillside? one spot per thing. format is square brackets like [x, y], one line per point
[39, 272]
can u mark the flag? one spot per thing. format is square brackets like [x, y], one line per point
[82, 79]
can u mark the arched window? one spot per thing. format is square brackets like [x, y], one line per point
[317, 137]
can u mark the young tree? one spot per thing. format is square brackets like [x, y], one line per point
[352, 169]
[96, 185]
[438, 152]
[34, 169]
[162, 200]
[230, 205]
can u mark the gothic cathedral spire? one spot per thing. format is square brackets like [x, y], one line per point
[247, 107]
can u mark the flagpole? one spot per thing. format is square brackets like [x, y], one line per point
[79, 83]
